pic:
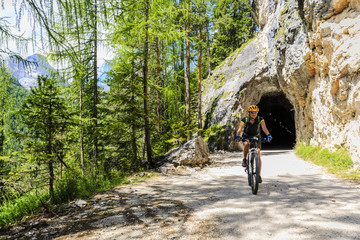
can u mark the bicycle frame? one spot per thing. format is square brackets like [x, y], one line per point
[253, 170]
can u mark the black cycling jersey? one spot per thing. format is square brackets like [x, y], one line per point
[252, 130]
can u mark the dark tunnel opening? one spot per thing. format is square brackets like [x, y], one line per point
[278, 113]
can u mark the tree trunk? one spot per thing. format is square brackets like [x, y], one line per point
[2, 136]
[175, 71]
[81, 131]
[208, 48]
[95, 87]
[182, 76]
[80, 75]
[136, 160]
[134, 146]
[187, 82]
[143, 148]
[158, 82]
[199, 87]
[49, 153]
[51, 180]
[146, 108]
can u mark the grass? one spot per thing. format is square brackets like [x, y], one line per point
[18, 209]
[337, 162]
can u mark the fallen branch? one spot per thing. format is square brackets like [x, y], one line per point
[52, 213]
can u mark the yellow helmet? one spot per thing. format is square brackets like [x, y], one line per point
[253, 108]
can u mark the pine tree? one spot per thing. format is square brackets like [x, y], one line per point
[45, 113]
[124, 112]
[232, 28]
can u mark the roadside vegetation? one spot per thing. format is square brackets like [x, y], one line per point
[21, 207]
[338, 162]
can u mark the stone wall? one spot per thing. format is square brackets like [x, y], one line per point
[310, 51]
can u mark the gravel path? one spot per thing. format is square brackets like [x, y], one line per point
[295, 201]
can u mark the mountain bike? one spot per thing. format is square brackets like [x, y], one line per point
[252, 168]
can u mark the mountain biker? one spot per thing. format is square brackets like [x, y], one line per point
[251, 126]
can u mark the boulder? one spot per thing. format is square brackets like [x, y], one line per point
[80, 203]
[194, 153]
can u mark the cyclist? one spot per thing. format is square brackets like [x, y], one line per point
[251, 126]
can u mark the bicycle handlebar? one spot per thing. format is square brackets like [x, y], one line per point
[253, 139]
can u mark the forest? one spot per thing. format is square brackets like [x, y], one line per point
[68, 136]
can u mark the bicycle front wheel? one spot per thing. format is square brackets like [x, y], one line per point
[255, 174]
[249, 168]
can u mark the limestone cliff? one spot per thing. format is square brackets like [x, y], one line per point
[308, 50]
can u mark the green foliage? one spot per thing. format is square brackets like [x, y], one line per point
[179, 132]
[124, 113]
[217, 128]
[337, 162]
[12, 97]
[68, 189]
[16, 209]
[233, 26]
[45, 113]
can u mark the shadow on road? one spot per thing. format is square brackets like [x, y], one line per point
[287, 206]
[308, 206]
[274, 152]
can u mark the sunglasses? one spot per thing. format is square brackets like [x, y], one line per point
[253, 112]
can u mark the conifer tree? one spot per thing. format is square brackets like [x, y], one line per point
[5, 81]
[232, 25]
[139, 33]
[124, 112]
[45, 113]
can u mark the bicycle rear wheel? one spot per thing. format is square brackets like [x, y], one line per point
[255, 175]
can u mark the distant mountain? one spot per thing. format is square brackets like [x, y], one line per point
[27, 75]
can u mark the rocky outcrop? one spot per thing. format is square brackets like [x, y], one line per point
[307, 50]
[194, 153]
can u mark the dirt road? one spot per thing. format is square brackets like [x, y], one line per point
[295, 201]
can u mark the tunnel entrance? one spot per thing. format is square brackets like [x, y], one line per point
[278, 113]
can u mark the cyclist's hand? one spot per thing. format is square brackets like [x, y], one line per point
[269, 138]
[237, 137]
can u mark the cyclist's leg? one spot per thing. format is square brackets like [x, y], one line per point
[246, 151]
[259, 156]
[246, 148]
[259, 161]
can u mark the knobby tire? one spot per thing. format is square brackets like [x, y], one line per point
[255, 175]
[249, 168]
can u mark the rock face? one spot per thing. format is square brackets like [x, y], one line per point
[307, 50]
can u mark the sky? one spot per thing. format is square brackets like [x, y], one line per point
[7, 10]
